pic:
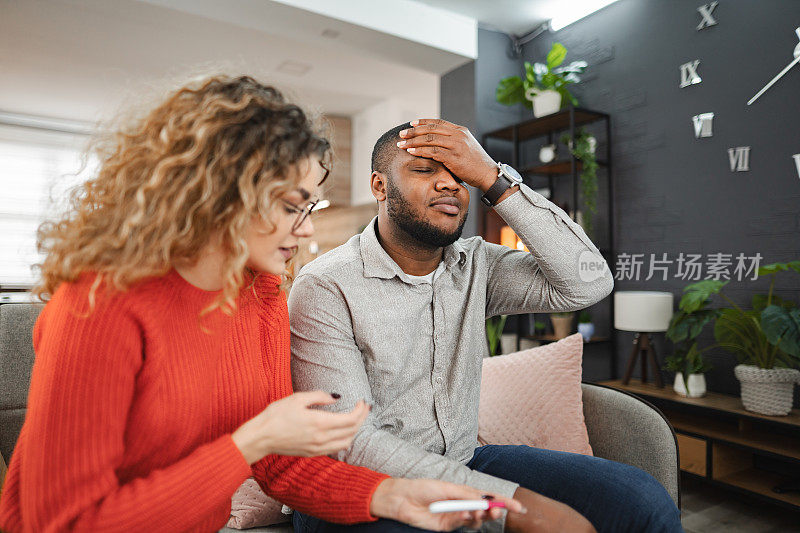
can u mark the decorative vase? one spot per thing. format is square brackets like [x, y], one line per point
[592, 140]
[696, 383]
[769, 391]
[547, 153]
[562, 325]
[508, 343]
[586, 329]
[544, 102]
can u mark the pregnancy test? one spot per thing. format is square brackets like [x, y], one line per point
[451, 506]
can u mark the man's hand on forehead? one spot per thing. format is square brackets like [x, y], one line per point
[432, 162]
[454, 147]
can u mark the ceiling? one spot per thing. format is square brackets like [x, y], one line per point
[86, 59]
[516, 17]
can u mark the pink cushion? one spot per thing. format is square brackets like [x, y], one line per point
[250, 507]
[534, 397]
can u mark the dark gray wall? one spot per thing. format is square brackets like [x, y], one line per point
[467, 98]
[675, 193]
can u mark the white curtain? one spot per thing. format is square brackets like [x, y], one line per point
[38, 168]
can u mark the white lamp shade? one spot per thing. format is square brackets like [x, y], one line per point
[642, 311]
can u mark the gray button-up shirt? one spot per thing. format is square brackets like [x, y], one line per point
[363, 328]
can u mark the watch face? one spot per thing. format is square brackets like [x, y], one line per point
[511, 172]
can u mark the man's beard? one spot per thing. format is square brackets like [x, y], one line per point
[402, 213]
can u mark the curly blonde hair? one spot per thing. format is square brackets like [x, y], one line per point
[201, 164]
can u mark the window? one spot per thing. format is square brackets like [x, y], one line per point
[38, 168]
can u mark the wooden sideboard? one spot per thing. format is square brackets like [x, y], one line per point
[723, 444]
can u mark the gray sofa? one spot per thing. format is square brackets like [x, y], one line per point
[621, 427]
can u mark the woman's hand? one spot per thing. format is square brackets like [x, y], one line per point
[290, 427]
[407, 500]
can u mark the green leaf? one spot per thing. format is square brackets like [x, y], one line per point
[494, 332]
[529, 73]
[782, 328]
[698, 320]
[549, 81]
[509, 91]
[760, 302]
[556, 55]
[678, 329]
[689, 361]
[687, 326]
[779, 267]
[740, 333]
[697, 294]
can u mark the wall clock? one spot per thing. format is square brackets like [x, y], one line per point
[739, 156]
[796, 54]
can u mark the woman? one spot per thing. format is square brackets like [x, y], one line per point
[161, 379]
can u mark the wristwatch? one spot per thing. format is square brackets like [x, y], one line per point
[507, 177]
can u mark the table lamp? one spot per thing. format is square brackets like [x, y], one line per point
[642, 312]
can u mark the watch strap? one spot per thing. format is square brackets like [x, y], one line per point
[500, 186]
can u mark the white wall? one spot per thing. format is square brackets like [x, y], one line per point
[371, 123]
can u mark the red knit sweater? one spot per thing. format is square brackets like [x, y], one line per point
[131, 409]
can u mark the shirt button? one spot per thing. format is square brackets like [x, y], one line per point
[444, 423]
[439, 381]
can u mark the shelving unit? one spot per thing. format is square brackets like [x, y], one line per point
[725, 445]
[548, 129]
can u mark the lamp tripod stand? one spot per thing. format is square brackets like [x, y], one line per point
[644, 349]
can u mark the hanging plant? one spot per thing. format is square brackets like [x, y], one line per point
[584, 150]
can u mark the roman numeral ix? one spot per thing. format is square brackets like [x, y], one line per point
[689, 73]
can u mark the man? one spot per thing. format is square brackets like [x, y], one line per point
[396, 316]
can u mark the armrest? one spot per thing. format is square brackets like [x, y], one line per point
[624, 428]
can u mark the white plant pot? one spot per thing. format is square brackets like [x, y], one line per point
[508, 343]
[697, 385]
[562, 325]
[586, 329]
[769, 391]
[592, 140]
[545, 102]
[547, 153]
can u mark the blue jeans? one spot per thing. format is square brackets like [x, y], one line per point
[614, 497]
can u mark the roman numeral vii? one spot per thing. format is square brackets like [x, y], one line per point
[739, 158]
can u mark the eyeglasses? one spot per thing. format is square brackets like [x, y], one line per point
[302, 212]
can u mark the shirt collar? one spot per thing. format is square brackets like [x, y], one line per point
[378, 263]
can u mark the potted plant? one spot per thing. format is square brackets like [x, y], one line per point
[690, 368]
[685, 326]
[562, 323]
[583, 148]
[544, 88]
[765, 340]
[494, 332]
[585, 325]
